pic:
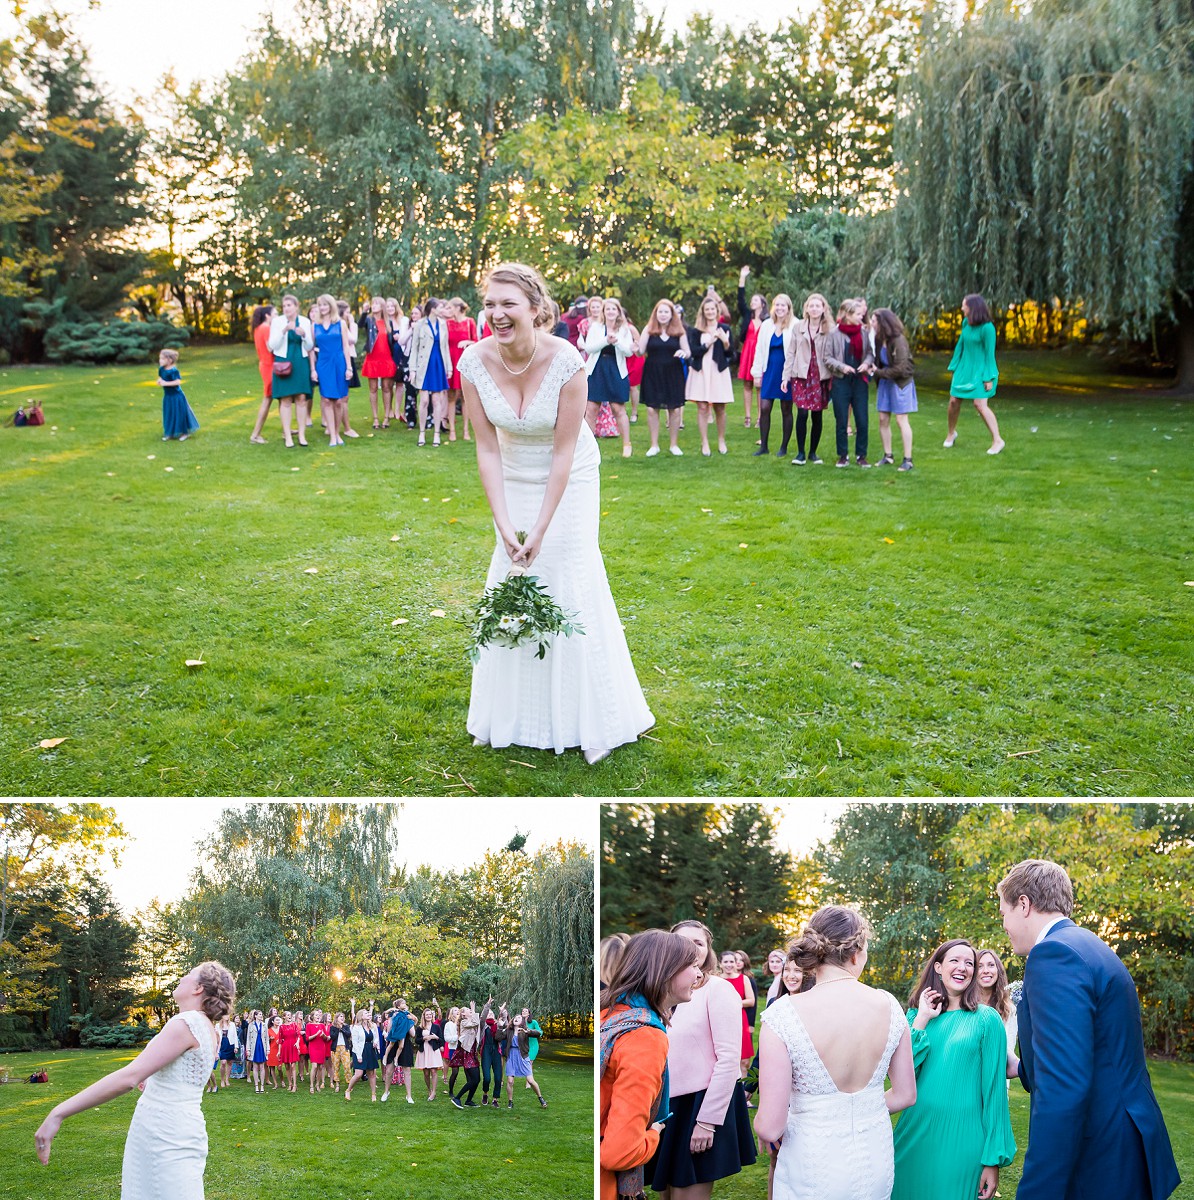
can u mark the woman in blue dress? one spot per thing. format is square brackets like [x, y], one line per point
[333, 358]
[177, 419]
[777, 336]
[519, 1063]
[429, 358]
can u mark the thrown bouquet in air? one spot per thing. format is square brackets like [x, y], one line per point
[518, 612]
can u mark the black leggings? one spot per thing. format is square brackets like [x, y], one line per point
[472, 1080]
[785, 407]
[802, 425]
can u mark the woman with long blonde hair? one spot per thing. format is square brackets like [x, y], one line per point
[807, 375]
[608, 344]
[776, 337]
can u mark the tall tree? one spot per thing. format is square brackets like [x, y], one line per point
[668, 862]
[1046, 154]
[893, 861]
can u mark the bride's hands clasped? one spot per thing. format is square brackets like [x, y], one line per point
[528, 551]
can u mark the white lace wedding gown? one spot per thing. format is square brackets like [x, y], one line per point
[837, 1145]
[166, 1149]
[585, 692]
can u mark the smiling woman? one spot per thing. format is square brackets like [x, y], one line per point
[538, 460]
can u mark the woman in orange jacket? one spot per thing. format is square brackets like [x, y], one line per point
[657, 971]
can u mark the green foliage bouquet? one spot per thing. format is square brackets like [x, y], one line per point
[518, 612]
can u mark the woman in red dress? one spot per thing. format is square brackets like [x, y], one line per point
[318, 1040]
[273, 1060]
[288, 1053]
[304, 1064]
[753, 315]
[462, 333]
[379, 366]
[259, 324]
[731, 971]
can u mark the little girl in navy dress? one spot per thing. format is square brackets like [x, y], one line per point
[178, 421]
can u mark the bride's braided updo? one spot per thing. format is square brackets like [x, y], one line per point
[532, 285]
[219, 989]
[833, 935]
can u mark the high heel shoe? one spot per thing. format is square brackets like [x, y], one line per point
[593, 757]
[422, 440]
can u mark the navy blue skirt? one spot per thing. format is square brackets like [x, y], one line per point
[606, 386]
[674, 1165]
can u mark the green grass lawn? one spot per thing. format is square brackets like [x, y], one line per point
[986, 626]
[1174, 1086]
[295, 1147]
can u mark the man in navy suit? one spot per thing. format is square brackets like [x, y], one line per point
[1095, 1128]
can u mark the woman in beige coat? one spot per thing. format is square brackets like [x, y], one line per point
[430, 359]
[806, 376]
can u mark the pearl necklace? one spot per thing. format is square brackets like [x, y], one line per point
[521, 370]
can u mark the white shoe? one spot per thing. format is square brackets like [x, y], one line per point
[650, 453]
[949, 442]
[384, 1098]
[479, 742]
[997, 447]
[677, 452]
[410, 1100]
[593, 757]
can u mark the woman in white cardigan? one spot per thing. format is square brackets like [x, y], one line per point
[366, 1052]
[772, 348]
[607, 345]
[292, 340]
[430, 359]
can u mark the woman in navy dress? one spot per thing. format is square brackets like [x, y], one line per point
[332, 366]
[429, 358]
[177, 419]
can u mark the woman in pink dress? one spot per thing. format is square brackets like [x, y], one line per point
[462, 333]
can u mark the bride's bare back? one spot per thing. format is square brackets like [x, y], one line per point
[848, 1024]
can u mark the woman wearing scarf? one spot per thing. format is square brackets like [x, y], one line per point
[400, 1050]
[848, 357]
[656, 972]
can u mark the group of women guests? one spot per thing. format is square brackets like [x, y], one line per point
[465, 1049]
[403, 360]
[806, 362]
[674, 1048]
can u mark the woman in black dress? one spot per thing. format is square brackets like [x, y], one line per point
[664, 344]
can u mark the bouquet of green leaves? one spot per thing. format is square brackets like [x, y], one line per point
[518, 612]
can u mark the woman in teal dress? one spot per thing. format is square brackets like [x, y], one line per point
[952, 1142]
[291, 340]
[975, 376]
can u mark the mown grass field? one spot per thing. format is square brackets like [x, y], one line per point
[1172, 1082]
[1017, 625]
[294, 1147]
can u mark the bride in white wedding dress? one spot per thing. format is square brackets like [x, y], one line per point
[526, 393]
[166, 1148]
[823, 1057]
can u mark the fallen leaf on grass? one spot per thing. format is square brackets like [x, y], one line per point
[110, 474]
[446, 500]
[50, 743]
[394, 538]
[889, 541]
[706, 510]
[453, 520]
[399, 621]
[688, 588]
[194, 662]
[438, 612]
[1190, 583]
[322, 492]
[742, 545]
[296, 468]
[151, 457]
[311, 571]
[169, 468]
[856, 665]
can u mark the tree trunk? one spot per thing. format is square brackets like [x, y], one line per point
[1184, 384]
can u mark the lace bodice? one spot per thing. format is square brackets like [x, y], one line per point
[810, 1076]
[538, 420]
[183, 1079]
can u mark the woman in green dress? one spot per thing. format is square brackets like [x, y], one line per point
[291, 340]
[975, 376]
[952, 1142]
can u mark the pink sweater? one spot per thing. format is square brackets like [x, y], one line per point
[704, 1044]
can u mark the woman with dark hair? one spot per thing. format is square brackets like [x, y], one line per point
[519, 1060]
[430, 355]
[462, 333]
[960, 1133]
[166, 1149]
[709, 1136]
[493, 1036]
[400, 1051]
[259, 327]
[733, 974]
[656, 973]
[824, 1054]
[848, 357]
[379, 367]
[709, 384]
[896, 394]
[975, 375]
[664, 346]
[752, 316]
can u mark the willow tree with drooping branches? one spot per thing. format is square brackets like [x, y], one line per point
[1047, 155]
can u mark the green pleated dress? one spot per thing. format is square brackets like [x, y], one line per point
[960, 1122]
[973, 363]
